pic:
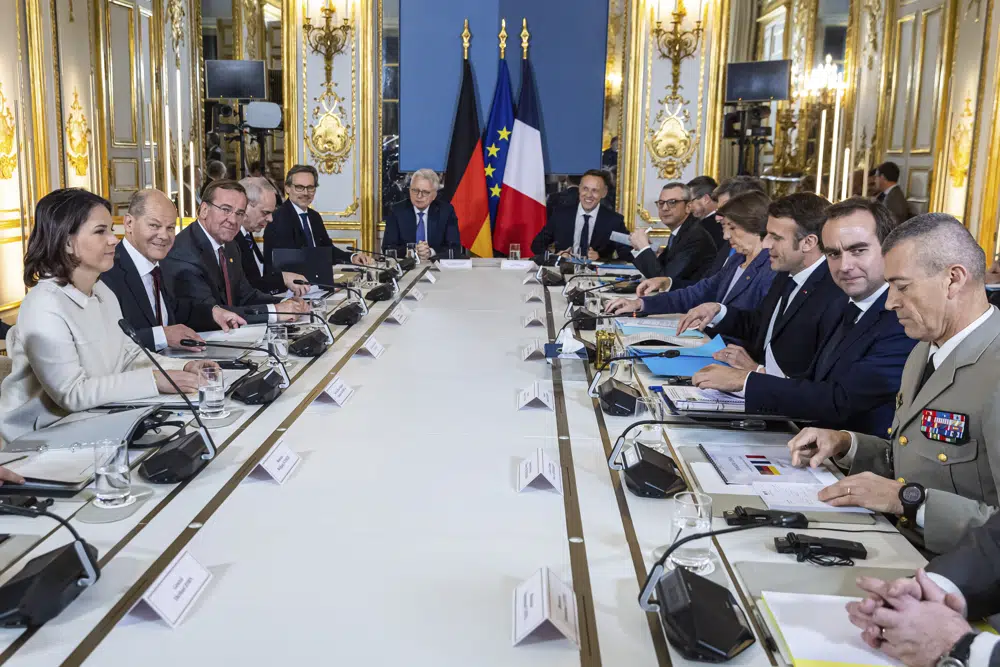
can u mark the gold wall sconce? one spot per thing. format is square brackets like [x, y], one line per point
[330, 135]
[329, 39]
[677, 44]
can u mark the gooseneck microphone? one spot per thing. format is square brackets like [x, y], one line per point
[286, 380]
[337, 288]
[312, 316]
[187, 342]
[588, 320]
[669, 354]
[401, 265]
[577, 296]
[349, 313]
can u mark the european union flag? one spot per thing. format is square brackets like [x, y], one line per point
[496, 140]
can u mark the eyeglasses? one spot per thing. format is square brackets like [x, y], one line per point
[304, 189]
[421, 193]
[670, 203]
[226, 211]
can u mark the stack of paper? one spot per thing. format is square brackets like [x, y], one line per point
[813, 631]
[693, 398]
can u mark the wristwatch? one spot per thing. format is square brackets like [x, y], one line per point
[912, 496]
[958, 656]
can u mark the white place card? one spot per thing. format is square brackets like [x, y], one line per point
[533, 319]
[539, 471]
[535, 396]
[372, 347]
[569, 310]
[455, 264]
[592, 389]
[337, 391]
[544, 604]
[175, 591]
[516, 265]
[414, 295]
[531, 279]
[533, 350]
[279, 462]
[428, 277]
[400, 314]
[532, 296]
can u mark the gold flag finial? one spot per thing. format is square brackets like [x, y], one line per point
[524, 38]
[466, 36]
[503, 38]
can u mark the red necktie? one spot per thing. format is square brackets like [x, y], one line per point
[156, 294]
[225, 277]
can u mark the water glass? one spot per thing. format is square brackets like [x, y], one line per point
[411, 250]
[212, 393]
[692, 513]
[515, 251]
[317, 305]
[112, 480]
[391, 253]
[277, 343]
[451, 253]
[650, 435]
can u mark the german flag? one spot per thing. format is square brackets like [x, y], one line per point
[465, 179]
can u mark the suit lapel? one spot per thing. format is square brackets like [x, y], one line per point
[208, 258]
[743, 284]
[134, 284]
[293, 215]
[811, 284]
[600, 236]
[868, 321]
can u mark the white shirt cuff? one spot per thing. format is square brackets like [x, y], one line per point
[272, 316]
[722, 314]
[353, 255]
[847, 460]
[159, 338]
[921, 513]
[982, 649]
[635, 253]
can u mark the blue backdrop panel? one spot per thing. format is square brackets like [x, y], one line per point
[568, 51]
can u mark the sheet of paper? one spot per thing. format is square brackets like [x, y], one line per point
[815, 630]
[620, 237]
[711, 483]
[739, 464]
[57, 465]
[798, 498]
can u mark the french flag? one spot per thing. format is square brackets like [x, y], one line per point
[522, 200]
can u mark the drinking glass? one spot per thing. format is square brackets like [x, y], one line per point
[112, 480]
[411, 250]
[277, 343]
[692, 513]
[391, 253]
[650, 435]
[515, 251]
[212, 394]
[451, 253]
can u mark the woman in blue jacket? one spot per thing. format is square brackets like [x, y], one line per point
[742, 281]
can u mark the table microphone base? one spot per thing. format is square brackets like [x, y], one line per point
[346, 315]
[311, 344]
[617, 398]
[176, 461]
[44, 587]
[259, 388]
[651, 474]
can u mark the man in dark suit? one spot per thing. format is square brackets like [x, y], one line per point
[890, 194]
[297, 226]
[585, 229]
[205, 266]
[261, 202]
[801, 309]
[429, 223]
[160, 319]
[853, 380]
[703, 207]
[690, 249]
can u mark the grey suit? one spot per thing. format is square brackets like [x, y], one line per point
[961, 482]
[895, 201]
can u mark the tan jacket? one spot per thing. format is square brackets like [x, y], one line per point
[961, 478]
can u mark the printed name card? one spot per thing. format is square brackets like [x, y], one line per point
[535, 396]
[532, 279]
[372, 347]
[533, 319]
[279, 462]
[337, 391]
[539, 471]
[399, 314]
[532, 296]
[414, 295]
[533, 350]
[544, 607]
[569, 310]
[174, 592]
[516, 265]
[428, 277]
[455, 264]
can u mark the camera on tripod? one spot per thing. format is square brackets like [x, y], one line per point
[246, 82]
[751, 87]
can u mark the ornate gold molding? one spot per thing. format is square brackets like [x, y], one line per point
[252, 19]
[38, 73]
[331, 136]
[961, 146]
[873, 17]
[8, 139]
[716, 93]
[176, 13]
[77, 138]
[370, 145]
[670, 144]
[290, 78]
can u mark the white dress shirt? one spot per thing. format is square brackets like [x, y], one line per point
[248, 235]
[578, 227]
[272, 316]
[145, 269]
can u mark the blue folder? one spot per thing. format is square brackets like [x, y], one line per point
[688, 362]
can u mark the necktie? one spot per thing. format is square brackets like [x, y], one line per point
[585, 235]
[421, 230]
[926, 375]
[157, 281]
[830, 350]
[225, 277]
[786, 294]
[307, 229]
[252, 247]
[880, 197]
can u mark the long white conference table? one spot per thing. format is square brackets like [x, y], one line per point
[400, 536]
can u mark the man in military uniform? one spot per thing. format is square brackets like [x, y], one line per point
[935, 469]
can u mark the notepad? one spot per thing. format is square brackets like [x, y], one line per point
[798, 498]
[814, 631]
[746, 464]
[693, 398]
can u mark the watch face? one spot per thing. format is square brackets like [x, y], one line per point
[912, 494]
[948, 661]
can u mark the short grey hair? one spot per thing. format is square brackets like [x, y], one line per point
[941, 241]
[256, 186]
[680, 186]
[427, 175]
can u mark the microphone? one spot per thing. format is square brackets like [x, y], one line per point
[48, 583]
[591, 319]
[669, 354]
[336, 288]
[190, 342]
[401, 265]
[577, 296]
[187, 342]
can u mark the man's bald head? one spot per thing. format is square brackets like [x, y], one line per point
[150, 223]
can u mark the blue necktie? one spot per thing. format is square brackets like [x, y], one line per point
[421, 230]
[307, 228]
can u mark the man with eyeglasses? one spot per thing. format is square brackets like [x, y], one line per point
[261, 202]
[429, 223]
[690, 249]
[296, 226]
[205, 266]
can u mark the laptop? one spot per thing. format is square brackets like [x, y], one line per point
[316, 264]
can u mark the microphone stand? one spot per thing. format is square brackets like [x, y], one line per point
[669, 354]
[336, 288]
[187, 342]
[397, 265]
[190, 342]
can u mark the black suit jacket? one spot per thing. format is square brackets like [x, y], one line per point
[441, 226]
[285, 231]
[714, 229]
[800, 331]
[123, 279]
[974, 567]
[270, 281]
[686, 260]
[560, 230]
[852, 382]
[4, 328]
[191, 271]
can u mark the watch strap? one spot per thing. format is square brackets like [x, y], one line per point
[963, 647]
[910, 509]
